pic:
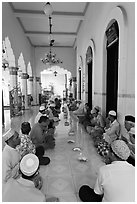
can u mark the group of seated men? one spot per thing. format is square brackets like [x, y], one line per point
[116, 180]
[23, 154]
[30, 142]
[104, 131]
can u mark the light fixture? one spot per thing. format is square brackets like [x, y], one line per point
[48, 10]
[55, 73]
[50, 58]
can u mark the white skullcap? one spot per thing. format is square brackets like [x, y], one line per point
[42, 108]
[121, 149]
[132, 130]
[8, 134]
[29, 164]
[113, 113]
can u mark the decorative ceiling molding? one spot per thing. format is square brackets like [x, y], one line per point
[21, 13]
[55, 34]
[40, 14]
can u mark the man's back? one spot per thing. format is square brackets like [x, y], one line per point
[117, 181]
[21, 190]
[36, 134]
[10, 160]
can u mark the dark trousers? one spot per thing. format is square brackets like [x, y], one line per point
[39, 153]
[131, 160]
[87, 194]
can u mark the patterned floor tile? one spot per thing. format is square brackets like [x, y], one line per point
[83, 179]
[59, 185]
[59, 170]
[80, 167]
[68, 198]
[44, 170]
[45, 184]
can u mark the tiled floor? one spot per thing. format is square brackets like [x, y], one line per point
[65, 173]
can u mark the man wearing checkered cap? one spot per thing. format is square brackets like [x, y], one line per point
[116, 181]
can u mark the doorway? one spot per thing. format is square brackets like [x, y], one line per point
[90, 84]
[112, 34]
[89, 61]
[79, 83]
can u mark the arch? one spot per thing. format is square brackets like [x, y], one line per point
[90, 48]
[119, 15]
[112, 47]
[60, 82]
[9, 52]
[21, 63]
[80, 79]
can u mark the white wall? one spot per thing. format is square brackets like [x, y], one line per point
[96, 21]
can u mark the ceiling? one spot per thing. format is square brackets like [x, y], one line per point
[66, 20]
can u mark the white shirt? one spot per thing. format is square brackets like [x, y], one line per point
[113, 132]
[38, 117]
[21, 190]
[117, 182]
[10, 163]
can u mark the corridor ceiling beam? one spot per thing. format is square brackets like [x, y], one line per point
[56, 34]
[41, 15]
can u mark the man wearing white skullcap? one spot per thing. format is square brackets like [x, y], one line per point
[40, 113]
[10, 156]
[128, 124]
[97, 120]
[131, 145]
[113, 132]
[23, 189]
[115, 181]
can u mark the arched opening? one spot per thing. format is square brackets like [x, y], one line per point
[8, 59]
[89, 61]
[112, 45]
[55, 82]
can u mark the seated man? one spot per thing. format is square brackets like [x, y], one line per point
[42, 138]
[10, 156]
[23, 188]
[86, 114]
[57, 104]
[26, 146]
[116, 181]
[113, 132]
[131, 145]
[40, 113]
[72, 105]
[97, 120]
[80, 110]
[128, 124]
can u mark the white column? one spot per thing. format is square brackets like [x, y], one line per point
[13, 84]
[13, 77]
[30, 85]
[37, 90]
[74, 87]
[24, 77]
